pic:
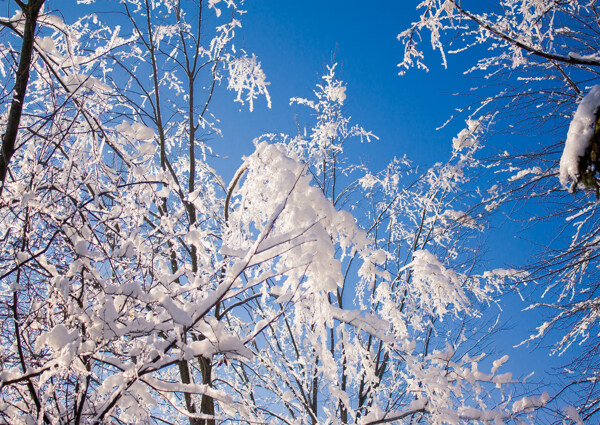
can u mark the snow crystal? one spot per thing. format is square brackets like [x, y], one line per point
[580, 132]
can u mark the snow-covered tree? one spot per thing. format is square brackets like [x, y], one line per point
[538, 64]
[138, 287]
[389, 344]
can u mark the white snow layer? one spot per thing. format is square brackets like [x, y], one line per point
[136, 131]
[580, 132]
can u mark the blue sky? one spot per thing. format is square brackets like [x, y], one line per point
[295, 41]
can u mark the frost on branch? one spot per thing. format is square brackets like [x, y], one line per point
[469, 137]
[441, 384]
[212, 4]
[437, 287]
[581, 155]
[248, 80]
[326, 138]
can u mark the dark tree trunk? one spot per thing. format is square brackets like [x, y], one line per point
[31, 11]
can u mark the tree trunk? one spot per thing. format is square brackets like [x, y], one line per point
[31, 11]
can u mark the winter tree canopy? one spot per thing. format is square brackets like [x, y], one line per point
[538, 62]
[141, 282]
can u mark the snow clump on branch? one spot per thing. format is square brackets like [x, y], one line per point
[581, 131]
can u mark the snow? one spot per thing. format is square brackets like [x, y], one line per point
[337, 93]
[47, 44]
[438, 287]
[212, 4]
[177, 313]
[504, 273]
[530, 403]
[368, 181]
[498, 363]
[77, 81]
[580, 132]
[58, 338]
[467, 136]
[247, 76]
[136, 131]
[362, 320]
[81, 248]
[572, 414]
[217, 340]
[578, 56]
[523, 173]
[263, 283]
[463, 218]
